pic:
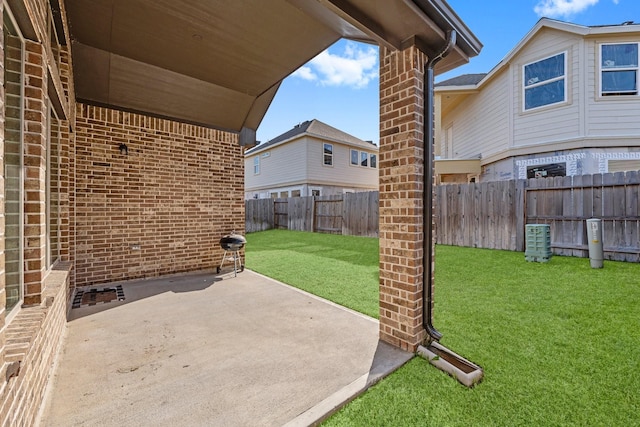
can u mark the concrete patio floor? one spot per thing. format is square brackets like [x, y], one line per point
[205, 350]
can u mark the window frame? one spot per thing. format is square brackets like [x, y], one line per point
[52, 186]
[364, 159]
[10, 313]
[256, 165]
[602, 70]
[373, 160]
[328, 156]
[563, 77]
[357, 158]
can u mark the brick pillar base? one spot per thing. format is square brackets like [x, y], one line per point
[401, 209]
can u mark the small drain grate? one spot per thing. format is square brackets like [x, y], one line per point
[95, 296]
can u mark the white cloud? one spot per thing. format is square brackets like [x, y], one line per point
[562, 8]
[355, 67]
[305, 73]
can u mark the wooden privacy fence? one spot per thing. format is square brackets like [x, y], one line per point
[565, 203]
[353, 214]
[494, 214]
[486, 215]
[481, 215]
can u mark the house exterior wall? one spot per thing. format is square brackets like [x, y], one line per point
[587, 133]
[472, 135]
[614, 116]
[280, 166]
[160, 209]
[299, 165]
[342, 173]
[31, 334]
[401, 200]
[554, 122]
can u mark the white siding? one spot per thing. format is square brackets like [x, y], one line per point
[285, 164]
[612, 115]
[342, 172]
[554, 122]
[301, 162]
[480, 124]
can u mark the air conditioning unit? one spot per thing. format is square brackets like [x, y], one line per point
[538, 240]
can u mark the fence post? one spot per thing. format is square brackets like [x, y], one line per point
[520, 212]
[313, 214]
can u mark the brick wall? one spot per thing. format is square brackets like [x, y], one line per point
[401, 183]
[176, 193]
[35, 165]
[32, 338]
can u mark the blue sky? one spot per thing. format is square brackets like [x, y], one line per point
[340, 86]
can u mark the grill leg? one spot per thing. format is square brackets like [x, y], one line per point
[222, 262]
[237, 262]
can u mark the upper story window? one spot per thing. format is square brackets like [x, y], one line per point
[619, 69]
[328, 154]
[364, 159]
[256, 165]
[545, 82]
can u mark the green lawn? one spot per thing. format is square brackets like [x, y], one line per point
[559, 341]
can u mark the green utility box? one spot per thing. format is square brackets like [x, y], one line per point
[538, 238]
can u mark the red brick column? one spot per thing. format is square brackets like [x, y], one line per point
[401, 207]
[35, 163]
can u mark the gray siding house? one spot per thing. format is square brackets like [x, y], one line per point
[312, 159]
[565, 101]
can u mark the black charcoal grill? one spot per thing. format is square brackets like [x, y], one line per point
[232, 243]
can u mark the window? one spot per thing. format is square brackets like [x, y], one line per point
[315, 193]
[256, 165]
[284, 194]
[274, 195]
[295, 193]
[354, 157]
[545, 82]
[53, 189]
[328, 154]
[13, 170]
[619, 69]
[364, 159]
[373, 161]
[547, 171]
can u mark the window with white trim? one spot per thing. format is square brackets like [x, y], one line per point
[545, 82]
[354, 157]
[364, 159]
[327, 150]
[619, 70]
[373, 161]
[256, 165]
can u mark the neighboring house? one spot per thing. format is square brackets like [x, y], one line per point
[312, 159]
[565, 101]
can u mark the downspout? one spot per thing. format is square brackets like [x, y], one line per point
[427, 217]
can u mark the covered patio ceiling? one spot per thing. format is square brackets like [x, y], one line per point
[219, 63]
